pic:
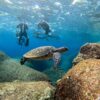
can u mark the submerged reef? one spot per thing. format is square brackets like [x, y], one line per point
[11, 70]
[26, 91]
[89, 50]
[82, 82]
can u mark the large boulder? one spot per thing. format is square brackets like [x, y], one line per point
[89, 50]
[11, 70]
[26, 91]
[82, 82]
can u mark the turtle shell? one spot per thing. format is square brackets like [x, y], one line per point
[39, 53]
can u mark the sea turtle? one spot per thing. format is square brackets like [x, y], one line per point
[43, 53]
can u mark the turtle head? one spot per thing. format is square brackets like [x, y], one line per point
[22, 61]
[61, 49]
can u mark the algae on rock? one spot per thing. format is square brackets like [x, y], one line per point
[26, 91]
[89, 50]
[82, 82]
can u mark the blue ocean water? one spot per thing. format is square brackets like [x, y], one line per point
[72, 21]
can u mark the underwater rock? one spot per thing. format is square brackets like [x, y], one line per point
[3, 56]
[11, 70]
[82, 82]
[89, 50]
[26, 91]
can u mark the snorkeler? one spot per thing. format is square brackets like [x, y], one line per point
[22, 33]
[44, 25]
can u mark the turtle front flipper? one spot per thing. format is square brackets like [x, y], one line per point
[56, 59]
[23, 60]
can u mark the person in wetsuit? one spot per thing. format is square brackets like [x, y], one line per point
[22, 33]
[44, 25]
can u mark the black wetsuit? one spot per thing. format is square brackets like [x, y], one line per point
[45, 27]
[23, 27]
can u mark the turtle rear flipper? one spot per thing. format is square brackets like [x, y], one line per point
[56, 59]
[23, 60]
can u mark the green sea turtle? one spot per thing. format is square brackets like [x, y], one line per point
[43, 53]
